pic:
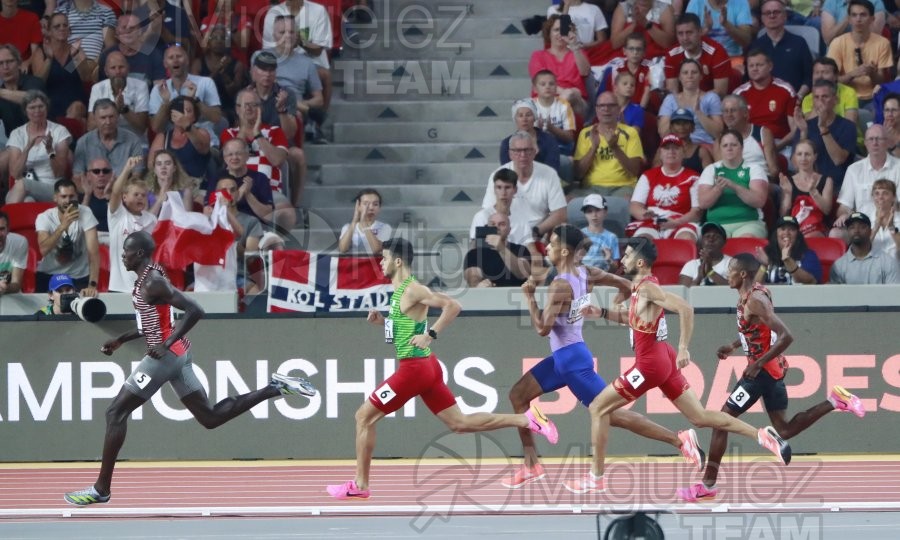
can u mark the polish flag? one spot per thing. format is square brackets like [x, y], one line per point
[183, 237]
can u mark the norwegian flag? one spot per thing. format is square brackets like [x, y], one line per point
[307, 282]
[184, 237]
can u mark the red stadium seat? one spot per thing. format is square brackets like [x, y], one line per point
[29, 280]
[103, 282]
[23, 215]
[673, 254]
[733, 246]
[828, 250]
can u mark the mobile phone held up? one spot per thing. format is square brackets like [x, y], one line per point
[565, 25]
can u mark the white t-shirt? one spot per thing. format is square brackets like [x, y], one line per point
[14, 255]
[38, 159]
[856, 191]
[121, 224]
[691, 268]
[313, 24]
[359, 243]
[79, 266]
[534, 199]
[519, 230]
[587, 18]
[136, 97]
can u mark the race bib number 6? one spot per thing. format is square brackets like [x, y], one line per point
[385, 393]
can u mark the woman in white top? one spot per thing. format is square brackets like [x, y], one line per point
[706, 106]
[364, 233]
[588, 20]
[38, 152]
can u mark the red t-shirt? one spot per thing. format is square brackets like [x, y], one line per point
[23, 29]
[770, 106]
[713, 60]
[566, 71]
[642, 77]
[258, 161]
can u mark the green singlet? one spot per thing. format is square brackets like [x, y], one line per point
[405, 328]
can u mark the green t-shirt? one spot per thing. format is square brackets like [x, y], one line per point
[730, 208]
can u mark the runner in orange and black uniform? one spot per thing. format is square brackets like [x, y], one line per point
[764, 338]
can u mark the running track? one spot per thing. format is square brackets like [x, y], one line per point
[436, 488]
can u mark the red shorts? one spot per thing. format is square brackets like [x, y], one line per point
[653, 368]
[415, 377]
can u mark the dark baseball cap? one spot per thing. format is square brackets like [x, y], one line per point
[264, 60]
[787, 221]
[709, 226]
[860, 217]
[682, 114]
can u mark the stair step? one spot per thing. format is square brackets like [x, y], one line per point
[361, 174]
[417, 132]
[481, 151]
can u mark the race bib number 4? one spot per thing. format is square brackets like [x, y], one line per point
[635, 378]
[385, 393]
[141, 379]
[740, 396]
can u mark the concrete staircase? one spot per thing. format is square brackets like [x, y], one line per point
[422, 100]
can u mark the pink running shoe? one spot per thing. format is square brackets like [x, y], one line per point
[539, 423]
[770, 440]
[524, 476]
[586, 484]
[696, 493]
[347, 490]
[845, 401]
[690, 448]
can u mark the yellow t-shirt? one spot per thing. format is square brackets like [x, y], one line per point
[606, 171]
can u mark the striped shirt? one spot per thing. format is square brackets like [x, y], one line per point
[405, 328]
[155, 322]
[258, 161]
[88, 26]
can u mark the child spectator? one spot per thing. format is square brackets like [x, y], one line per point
[126, 213]
[554, 114]
[634, 63]
[624, 88]
[604, 251]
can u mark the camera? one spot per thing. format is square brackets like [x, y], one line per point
[87, 309]
[65, 250]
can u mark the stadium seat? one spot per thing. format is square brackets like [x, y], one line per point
[22, 217]
[733, 246]
[673, 254]
[103, 281]
[828, 250]
[29, 280]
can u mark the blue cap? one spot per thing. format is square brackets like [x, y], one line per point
[60, 280]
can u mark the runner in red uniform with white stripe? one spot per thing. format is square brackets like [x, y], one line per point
[657, 365]
[168, 359]
[764, 338]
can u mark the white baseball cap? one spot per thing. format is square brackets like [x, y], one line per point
[594, 199]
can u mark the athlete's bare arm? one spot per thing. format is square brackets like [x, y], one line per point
[558, 296]
[672, 302]
[759, 306]
[157, 291]
[596, 276]
[420, 295]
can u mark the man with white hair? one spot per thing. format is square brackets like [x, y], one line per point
[524, 114]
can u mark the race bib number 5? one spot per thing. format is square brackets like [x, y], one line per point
[141, 379]
[385, 393]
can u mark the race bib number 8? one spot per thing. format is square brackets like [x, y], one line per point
[385, 394]
[740, 396]
[141, 379]
[635, 378]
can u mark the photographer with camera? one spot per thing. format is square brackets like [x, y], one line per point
[67, 239]
[495, 261]
[60, 285]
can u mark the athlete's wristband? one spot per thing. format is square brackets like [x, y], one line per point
[432, 334]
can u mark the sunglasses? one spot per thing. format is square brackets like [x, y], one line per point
[101, 171]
